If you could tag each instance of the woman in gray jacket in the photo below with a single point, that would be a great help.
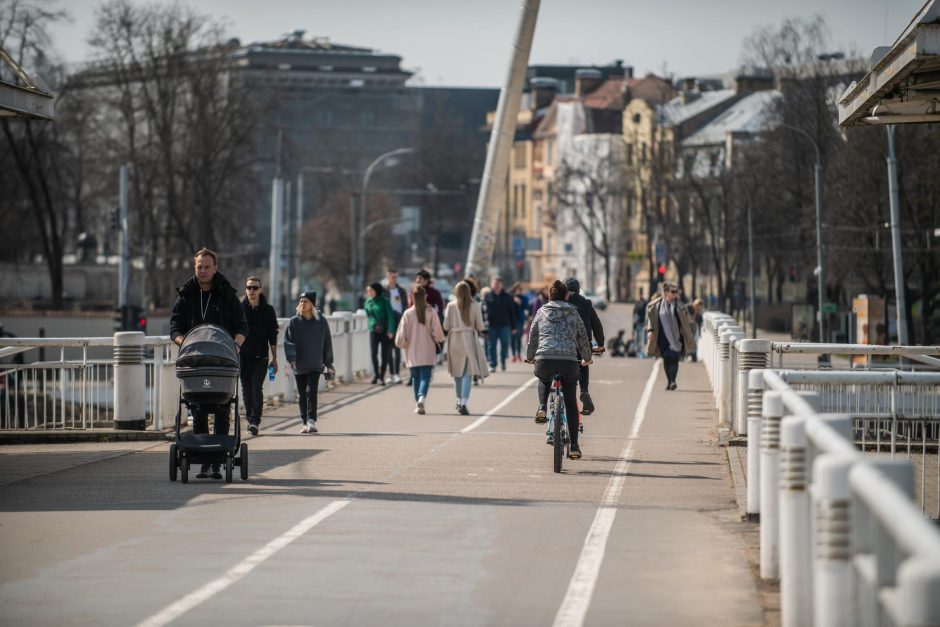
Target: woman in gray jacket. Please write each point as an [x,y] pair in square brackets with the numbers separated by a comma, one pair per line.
[556,338]
[309,349]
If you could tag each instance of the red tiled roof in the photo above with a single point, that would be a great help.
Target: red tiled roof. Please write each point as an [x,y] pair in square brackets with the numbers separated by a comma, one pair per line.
[609,94]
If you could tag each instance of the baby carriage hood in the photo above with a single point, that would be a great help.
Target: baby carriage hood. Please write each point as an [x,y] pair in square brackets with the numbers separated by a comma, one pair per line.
[207,345]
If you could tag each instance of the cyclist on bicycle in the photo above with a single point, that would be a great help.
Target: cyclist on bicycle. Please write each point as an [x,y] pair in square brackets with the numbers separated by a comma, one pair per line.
[556,338]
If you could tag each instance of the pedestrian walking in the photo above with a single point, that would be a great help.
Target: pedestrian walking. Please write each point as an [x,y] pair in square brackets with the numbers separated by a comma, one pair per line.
[434,298]
[521,303]
[595,333]
[381,329]
[481,336]
[501,315]
[463,321]
[259,345]
[418,335]
[208,298]
[308,345]
[398,299]
[639,326]
[669,331]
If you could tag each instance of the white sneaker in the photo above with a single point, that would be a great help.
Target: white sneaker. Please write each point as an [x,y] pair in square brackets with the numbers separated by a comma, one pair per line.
[396,379]
[312,427]
[305,428]
[420,408]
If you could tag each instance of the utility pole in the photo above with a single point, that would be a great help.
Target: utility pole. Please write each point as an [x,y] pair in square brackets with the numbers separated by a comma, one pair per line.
[896,239]
[491,200]
[124,267]
[277,215]
[298,227]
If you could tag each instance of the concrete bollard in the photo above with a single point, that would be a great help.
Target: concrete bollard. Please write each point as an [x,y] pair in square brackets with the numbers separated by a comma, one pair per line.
[796,568]
[726,374]
[716,357]
[769,483]
[130,381]
[832,568]
[347,325]
[869,541]
[755,398]
[751,354]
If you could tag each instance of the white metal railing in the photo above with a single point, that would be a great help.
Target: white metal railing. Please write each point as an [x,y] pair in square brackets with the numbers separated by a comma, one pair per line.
[76,389]
[839,527]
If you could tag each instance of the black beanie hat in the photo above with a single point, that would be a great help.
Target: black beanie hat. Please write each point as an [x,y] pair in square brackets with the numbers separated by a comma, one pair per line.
[573,285]
[309,295]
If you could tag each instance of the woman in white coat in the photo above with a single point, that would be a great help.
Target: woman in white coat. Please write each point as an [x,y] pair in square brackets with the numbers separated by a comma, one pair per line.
[463,321]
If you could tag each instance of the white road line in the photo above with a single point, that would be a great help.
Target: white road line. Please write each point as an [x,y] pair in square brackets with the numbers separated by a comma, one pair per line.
[232,575]
[479,421]
[575,605]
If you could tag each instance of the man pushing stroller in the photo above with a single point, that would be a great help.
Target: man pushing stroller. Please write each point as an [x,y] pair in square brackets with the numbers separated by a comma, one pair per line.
[208,297]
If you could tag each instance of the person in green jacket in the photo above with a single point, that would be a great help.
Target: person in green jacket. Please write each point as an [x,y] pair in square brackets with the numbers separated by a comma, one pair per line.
[381,328]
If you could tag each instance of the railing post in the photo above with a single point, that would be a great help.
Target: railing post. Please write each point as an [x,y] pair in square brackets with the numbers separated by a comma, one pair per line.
[755,399]
[347,322]
[918,583]
[796,568]
[833,598]
[130,381]
[752,354]
[726,374]
[769,482]
[157,390]
[720,325]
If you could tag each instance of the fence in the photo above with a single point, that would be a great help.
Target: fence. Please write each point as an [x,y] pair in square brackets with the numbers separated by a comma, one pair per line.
[840,528]
[77,390]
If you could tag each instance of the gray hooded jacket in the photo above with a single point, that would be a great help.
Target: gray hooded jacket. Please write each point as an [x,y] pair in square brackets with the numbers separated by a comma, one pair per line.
[557,332]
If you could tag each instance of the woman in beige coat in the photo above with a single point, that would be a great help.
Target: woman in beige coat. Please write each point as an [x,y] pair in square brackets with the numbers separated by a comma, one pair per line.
[419,332]
[463,321]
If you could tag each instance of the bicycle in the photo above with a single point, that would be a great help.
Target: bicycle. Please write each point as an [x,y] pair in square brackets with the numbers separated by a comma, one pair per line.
[558,423]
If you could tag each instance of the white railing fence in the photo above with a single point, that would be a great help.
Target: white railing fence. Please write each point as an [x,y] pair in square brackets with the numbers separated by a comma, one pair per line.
[839,527]
[82,387]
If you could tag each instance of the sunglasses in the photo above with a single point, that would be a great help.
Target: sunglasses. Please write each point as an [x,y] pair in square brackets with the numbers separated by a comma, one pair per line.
[673,291]
[252,287]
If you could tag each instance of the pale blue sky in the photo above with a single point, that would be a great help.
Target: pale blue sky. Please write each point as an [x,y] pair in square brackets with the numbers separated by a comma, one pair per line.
[466,42]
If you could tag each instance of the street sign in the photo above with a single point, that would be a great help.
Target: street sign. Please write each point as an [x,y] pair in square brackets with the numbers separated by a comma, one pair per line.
[661,253]
[830,308]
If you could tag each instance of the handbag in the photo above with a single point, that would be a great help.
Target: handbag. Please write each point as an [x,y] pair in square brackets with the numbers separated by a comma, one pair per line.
[378,327]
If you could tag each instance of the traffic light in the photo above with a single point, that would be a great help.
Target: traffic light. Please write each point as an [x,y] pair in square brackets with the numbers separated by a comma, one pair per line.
[792,276]
[116,219]
[661,271]
[130,318]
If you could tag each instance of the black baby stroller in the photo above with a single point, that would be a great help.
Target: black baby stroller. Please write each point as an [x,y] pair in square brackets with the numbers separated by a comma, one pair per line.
[207,368]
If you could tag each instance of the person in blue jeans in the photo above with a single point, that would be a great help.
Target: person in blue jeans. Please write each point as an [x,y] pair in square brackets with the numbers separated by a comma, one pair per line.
[419,333]
[501,315]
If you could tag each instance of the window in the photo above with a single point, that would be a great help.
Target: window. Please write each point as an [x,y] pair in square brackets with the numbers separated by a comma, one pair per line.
[629,154]
[367,118]
[631,205]
[522,189]
[643,152]
[549,150]
[515,202]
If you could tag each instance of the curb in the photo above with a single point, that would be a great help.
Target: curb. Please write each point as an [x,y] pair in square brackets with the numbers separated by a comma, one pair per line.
[99,435]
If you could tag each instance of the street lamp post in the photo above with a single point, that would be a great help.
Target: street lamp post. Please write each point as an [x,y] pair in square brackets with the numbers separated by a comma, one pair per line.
[750,264]
[363,208]
[820,275]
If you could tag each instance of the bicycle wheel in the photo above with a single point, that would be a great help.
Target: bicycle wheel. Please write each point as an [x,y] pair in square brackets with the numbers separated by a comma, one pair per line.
[558,415]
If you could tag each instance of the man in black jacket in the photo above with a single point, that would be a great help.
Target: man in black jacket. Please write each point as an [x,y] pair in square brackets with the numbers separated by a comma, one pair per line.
[261,341]
[208,297]
[595,332]
[501,316]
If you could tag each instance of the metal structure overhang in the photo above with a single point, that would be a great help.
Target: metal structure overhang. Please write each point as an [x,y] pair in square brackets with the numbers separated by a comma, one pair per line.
[903,85]
[27,100]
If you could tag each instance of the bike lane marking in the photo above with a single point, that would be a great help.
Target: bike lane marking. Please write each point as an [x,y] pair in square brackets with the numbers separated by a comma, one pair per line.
[577,599]
[479,421]
[243,568]
[201,595]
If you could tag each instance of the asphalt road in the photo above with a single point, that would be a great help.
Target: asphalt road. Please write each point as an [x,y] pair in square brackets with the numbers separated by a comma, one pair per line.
[386,517]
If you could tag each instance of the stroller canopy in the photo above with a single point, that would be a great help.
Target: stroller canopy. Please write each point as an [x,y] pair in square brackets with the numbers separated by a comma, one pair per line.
[207,345]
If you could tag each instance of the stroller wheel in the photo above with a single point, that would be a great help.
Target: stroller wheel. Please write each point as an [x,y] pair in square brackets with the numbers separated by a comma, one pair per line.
[174,462]
[243,461]
[184,469]
[229,467]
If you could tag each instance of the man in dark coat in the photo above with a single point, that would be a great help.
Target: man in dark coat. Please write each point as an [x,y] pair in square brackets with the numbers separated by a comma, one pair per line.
[595,333]
[501,316]
[208,297]
[260,343]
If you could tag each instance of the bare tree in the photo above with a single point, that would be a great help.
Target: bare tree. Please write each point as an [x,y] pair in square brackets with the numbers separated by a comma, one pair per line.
[589,190]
